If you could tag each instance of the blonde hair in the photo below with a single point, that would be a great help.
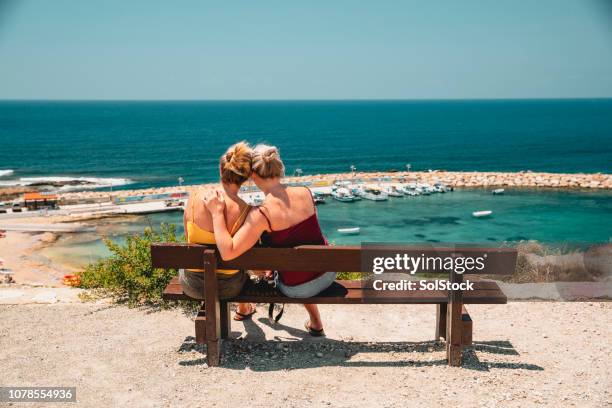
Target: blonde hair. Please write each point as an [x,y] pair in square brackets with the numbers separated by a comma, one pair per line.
[235,164]
[267,162]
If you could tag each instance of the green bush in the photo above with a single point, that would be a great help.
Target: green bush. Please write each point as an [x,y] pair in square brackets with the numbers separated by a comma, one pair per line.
[127,275]
[352,276]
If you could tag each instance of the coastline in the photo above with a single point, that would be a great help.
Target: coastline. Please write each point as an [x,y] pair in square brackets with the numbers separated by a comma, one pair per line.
[525,179]
[25,253]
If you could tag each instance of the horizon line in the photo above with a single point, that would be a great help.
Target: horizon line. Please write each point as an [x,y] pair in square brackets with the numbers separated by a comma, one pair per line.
[308,99]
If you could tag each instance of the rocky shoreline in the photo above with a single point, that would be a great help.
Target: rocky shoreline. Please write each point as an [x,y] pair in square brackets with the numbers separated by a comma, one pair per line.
[456,179]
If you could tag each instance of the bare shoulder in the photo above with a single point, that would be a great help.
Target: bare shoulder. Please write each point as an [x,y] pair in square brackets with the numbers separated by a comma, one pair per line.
[256,217]
[195,209]
[189,204]
[299,192]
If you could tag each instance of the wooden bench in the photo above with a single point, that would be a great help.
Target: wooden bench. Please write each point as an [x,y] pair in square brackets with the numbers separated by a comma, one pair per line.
[212,324]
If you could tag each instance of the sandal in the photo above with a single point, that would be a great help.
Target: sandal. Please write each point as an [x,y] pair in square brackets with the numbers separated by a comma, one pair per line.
[313,332]
[239,317]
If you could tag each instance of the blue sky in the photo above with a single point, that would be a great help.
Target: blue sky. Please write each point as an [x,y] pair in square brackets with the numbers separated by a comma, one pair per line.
[304,50]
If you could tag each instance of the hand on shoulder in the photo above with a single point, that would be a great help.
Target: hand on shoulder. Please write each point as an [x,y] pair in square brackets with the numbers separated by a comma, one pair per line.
[214,201]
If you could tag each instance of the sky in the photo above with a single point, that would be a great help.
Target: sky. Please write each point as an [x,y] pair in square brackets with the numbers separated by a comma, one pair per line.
[314,49]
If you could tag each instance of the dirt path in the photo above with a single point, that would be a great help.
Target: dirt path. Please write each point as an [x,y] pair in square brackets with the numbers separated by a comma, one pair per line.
[525,354]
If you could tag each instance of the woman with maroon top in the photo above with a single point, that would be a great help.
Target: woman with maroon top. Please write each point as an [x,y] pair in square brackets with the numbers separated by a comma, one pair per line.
[287,218]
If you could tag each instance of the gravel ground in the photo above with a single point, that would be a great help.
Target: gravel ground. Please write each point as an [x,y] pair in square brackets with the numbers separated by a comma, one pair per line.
[524,354]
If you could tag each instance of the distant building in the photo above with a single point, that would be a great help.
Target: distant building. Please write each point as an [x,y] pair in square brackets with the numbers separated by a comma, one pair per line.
[37,201]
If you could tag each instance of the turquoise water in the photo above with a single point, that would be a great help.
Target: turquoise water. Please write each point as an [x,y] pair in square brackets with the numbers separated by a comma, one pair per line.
[153,143]
[557,218]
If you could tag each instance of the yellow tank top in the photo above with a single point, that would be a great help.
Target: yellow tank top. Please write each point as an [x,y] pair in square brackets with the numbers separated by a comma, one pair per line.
[197,235]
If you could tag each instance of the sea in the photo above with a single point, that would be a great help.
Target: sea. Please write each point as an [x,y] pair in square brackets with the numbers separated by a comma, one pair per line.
[107,145]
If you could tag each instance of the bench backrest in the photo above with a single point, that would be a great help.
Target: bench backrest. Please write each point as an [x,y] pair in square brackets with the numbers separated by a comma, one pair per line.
[315,258]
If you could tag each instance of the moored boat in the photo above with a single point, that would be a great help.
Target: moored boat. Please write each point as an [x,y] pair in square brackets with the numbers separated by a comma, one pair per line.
[393,191]
[372,193]
[349,231]
[343,194]
[318,198]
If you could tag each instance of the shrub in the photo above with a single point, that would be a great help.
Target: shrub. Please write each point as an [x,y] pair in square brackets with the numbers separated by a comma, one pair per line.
[537,262]
[352,276]
[127,274]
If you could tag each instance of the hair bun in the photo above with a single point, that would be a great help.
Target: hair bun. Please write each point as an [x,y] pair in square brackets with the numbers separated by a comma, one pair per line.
[270,154]
[267,162]
[229,156]
[236,160]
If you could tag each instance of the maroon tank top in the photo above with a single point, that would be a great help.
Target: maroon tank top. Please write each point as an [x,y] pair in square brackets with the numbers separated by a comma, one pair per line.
[307,232]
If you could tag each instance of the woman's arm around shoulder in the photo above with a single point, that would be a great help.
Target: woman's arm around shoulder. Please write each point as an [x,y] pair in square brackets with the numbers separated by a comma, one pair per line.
[247,236]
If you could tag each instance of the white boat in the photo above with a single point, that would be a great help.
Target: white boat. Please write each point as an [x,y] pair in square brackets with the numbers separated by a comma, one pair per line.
[254,199]
[343,194]
[498,191]
[393,191]
[409,189]
[439,188]
[424,188]
[318,198]
[480,214]
[373,194]
[349,231]
[354,190]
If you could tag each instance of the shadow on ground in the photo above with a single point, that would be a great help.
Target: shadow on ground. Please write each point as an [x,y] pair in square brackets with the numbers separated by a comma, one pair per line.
[299,350]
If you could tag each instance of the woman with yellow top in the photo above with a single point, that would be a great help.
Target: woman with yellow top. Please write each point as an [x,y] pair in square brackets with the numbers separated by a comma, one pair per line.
[234,169]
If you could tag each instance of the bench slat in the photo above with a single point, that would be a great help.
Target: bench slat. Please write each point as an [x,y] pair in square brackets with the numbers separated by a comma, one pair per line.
[351,292]
[315,258]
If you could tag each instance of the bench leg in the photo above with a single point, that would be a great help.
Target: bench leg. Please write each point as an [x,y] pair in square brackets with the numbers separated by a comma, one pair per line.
[440,321]
[200,325]
[454,324]
[213,352]
[466,338]
[213,309]
[226,321]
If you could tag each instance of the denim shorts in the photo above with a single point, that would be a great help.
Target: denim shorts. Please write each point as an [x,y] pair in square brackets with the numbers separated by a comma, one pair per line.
[228,286]
[306,289]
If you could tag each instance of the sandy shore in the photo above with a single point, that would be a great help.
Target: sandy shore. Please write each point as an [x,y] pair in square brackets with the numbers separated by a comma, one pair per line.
[525,354]
[20,253]
[25,252]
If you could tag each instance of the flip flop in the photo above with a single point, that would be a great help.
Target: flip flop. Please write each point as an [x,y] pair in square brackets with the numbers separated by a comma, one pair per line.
[239,317]
[313,332]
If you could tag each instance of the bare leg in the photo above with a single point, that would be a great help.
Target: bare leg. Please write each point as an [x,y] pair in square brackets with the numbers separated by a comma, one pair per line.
[315,317]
